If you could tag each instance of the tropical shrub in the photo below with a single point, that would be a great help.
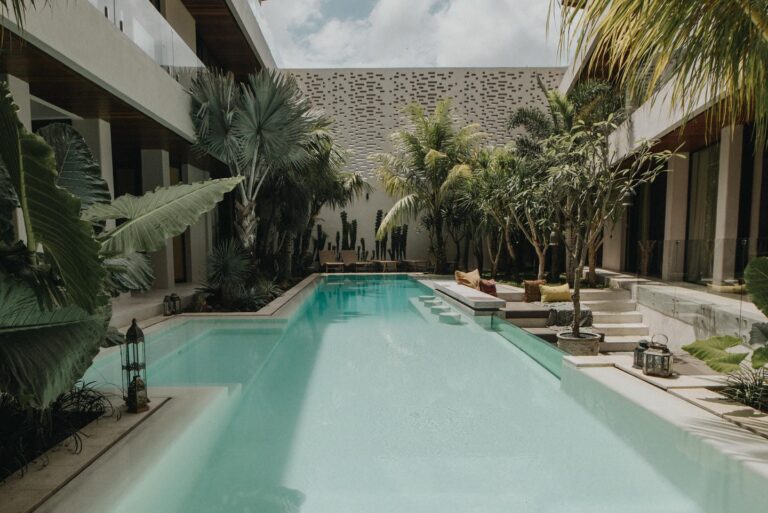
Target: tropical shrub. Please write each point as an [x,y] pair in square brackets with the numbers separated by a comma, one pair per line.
[749,386]
[56,282]
[421,169]
[713,352]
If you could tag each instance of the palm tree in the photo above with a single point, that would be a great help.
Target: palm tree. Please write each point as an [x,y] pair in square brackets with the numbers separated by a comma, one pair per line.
[421,169]
[714,50]
[255,128]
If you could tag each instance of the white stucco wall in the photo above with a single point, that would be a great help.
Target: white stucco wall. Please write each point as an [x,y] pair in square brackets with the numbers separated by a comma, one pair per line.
[367,106]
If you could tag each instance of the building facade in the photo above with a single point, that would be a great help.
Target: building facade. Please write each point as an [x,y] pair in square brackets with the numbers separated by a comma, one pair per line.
[705,218]
[116,71]
[367,107]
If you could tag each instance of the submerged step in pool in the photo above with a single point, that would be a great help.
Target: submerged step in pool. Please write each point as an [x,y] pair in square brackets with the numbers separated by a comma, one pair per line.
[366,402]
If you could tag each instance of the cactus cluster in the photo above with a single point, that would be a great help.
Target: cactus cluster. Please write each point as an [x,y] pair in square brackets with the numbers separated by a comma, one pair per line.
[318,242]
[399,241]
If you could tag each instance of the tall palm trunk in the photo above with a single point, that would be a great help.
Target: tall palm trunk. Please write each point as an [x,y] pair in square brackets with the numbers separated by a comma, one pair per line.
[439,242]
[245,221]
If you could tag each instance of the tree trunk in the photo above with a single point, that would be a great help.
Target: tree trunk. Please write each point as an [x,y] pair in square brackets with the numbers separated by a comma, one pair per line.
[439,245]
[542,256]
[592,262]
[466,252]
[245,219]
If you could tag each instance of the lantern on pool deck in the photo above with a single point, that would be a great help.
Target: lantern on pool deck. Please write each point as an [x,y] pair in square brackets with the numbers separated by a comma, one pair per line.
[176,300]
[167,306]
[134,364]
[657,359]
[638,358]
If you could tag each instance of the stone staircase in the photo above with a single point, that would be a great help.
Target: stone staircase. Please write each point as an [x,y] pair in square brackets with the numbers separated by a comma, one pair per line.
[613,311]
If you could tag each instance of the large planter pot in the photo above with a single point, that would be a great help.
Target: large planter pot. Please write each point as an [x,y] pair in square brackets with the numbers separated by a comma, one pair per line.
[586,344]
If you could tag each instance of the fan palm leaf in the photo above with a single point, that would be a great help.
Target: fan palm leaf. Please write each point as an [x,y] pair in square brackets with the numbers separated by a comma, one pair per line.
[713,51]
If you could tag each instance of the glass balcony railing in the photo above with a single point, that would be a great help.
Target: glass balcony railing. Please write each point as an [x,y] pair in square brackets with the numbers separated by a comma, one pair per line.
[150,31]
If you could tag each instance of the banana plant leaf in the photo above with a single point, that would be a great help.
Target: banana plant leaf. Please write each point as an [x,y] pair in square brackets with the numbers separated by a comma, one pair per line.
[44,352]
[156,216]
[78,172]
[712,351]
[51,214]
[130,273]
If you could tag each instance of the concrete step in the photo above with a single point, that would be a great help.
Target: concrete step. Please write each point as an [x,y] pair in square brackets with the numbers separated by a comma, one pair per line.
[529,322]
[426,298]
[440,309]
[544,333]
[620,343]
[616,329]
[616,317]
[604,294]
[450,318]
[627,305]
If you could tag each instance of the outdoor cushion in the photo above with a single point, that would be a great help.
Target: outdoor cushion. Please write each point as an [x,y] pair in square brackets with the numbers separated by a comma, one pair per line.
[470,279]
[488,286]
[554,293]
[532,292]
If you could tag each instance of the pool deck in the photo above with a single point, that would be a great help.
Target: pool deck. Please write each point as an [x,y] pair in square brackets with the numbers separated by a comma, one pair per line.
[111,454]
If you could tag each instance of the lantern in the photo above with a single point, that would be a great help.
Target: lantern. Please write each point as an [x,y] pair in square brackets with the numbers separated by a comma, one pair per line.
[176,300]
[657,359]
[628,199]
[134,370]
[638,359]
[167,306]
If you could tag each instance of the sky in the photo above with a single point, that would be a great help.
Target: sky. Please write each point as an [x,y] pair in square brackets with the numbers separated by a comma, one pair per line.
[411,33]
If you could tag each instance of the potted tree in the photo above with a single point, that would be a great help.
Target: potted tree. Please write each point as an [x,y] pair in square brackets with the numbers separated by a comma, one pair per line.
[587,185]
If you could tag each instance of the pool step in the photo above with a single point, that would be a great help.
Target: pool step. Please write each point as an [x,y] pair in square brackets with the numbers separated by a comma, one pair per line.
[529,322]
[620,329]
[616,317]
[427,298]
[450,317]
[440,309]
[605,294]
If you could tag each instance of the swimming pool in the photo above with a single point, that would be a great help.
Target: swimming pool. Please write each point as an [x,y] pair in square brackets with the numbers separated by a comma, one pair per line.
[365,402]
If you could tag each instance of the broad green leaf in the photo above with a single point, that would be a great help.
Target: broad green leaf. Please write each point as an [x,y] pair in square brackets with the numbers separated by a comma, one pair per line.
[712,351]
[51,214]
[760,357]
[756,277]
[130,273]
[8,205]
[44,352]
[78,172]
[158,215]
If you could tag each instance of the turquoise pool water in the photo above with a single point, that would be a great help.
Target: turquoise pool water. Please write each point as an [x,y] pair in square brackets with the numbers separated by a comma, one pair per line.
[366,403]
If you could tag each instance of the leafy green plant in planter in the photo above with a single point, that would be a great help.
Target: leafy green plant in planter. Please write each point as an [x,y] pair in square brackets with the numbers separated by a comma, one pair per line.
[54,286]
[756,278]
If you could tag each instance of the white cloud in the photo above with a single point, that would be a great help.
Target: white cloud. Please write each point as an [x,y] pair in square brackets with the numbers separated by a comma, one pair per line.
[414,33]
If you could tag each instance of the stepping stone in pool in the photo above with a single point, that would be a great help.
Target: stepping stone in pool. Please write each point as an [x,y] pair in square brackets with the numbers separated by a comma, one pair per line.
[433,302]
[440,308]
[450,318]
[427,298]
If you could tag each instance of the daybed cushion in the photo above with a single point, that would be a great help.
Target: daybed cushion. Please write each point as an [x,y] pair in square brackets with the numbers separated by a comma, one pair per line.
[489,287]
[532,292]
[470,279]
[468,296]
[555,293]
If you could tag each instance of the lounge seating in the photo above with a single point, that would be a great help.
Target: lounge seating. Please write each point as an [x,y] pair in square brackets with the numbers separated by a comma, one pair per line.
[469,297]
[349,258]
[329,261]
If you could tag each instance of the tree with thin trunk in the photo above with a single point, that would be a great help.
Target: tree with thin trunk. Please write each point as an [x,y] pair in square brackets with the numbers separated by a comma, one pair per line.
[422,169]
[587,185]
[256,128]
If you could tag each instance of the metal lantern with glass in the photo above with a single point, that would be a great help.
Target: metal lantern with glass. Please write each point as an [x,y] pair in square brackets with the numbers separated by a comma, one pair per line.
[176,301]
[639,354]
[134,363]
[167,306]
[657,359]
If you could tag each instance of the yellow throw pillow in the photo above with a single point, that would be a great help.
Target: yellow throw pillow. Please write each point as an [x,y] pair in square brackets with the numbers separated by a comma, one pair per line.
[470,279]
[554,293]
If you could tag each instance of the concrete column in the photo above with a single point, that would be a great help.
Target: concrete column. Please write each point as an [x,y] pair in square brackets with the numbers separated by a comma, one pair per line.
[675,218]
[156,172]
[727,216]
[197,234]
[98,135]
[20,92]
[757,193]
[615,244]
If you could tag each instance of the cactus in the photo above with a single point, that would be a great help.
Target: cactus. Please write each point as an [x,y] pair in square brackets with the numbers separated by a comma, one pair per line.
[362,246]
[352,234]
[358,253]
[338,242]
[404,241]
[376,226]
[344,230]
[318,242]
